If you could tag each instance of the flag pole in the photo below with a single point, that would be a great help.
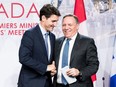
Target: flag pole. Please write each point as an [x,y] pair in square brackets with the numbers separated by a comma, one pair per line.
[103,81]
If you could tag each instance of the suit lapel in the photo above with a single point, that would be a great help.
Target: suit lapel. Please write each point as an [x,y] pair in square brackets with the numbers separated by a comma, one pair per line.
[41,39]
[75,47]
[58,47]
[52,41]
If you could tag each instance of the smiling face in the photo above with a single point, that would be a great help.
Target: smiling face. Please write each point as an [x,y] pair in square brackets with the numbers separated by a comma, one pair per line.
[69,26]
[49,23]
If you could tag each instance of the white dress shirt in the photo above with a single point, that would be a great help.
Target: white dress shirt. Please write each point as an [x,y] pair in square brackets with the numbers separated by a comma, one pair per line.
[49,45]
[71,43]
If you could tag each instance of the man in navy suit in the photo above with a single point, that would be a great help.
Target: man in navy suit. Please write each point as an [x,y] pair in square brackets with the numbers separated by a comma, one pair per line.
[82,60]
[37,59]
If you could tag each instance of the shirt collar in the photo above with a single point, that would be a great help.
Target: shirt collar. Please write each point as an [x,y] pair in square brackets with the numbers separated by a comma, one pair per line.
[42,29]
[73,38]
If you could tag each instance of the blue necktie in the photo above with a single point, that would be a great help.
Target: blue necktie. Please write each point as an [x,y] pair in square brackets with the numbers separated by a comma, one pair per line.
[46,43]
[65,58]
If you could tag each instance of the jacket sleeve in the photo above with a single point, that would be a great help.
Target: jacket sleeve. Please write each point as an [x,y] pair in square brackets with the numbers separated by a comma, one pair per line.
[92,62]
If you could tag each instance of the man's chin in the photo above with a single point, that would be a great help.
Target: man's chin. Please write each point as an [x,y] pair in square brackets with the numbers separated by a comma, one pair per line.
[50,29]
[67,36]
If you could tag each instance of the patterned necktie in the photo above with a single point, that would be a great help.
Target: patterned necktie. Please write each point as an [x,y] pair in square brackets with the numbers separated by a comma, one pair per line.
[46,42]
[65,58]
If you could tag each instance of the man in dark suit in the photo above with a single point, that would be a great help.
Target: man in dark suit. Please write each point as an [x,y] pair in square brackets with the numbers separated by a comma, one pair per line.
[36,51]
[82,58]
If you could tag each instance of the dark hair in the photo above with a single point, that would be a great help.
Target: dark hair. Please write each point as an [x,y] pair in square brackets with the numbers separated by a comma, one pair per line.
[75,17]
[48,10]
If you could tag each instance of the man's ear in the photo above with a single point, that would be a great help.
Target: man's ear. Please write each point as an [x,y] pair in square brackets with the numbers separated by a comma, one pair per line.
[43,18]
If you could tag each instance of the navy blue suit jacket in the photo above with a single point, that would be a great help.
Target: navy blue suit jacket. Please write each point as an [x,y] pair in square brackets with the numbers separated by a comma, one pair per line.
[34,60]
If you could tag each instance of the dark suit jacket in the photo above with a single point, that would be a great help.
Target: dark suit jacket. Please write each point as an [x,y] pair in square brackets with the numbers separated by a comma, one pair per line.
[83,57]
[33,57]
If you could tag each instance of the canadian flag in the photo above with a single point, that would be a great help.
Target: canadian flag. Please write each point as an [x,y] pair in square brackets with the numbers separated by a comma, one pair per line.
[79,11]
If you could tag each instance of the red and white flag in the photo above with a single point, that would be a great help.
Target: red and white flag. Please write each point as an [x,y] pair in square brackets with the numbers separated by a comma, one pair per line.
[93,77]
[79,11]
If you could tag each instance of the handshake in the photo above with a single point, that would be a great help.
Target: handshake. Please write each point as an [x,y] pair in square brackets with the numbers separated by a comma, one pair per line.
[52,68]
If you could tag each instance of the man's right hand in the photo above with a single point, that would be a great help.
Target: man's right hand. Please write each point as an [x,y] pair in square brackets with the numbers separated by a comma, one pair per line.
[51,67]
